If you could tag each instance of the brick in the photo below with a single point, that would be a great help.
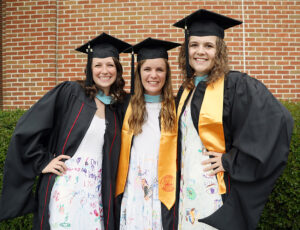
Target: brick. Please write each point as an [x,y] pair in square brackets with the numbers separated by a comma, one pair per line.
[271,36]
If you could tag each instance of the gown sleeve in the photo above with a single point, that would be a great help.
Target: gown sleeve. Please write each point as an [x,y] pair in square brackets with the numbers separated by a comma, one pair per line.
[260,132]
[28,152]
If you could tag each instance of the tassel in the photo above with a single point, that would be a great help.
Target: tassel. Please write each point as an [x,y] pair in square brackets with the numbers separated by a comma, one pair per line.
[132,73]
[188,69]
[89,75]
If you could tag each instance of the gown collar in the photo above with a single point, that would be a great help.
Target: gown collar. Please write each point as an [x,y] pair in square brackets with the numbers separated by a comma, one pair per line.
[105,99]
[152,99]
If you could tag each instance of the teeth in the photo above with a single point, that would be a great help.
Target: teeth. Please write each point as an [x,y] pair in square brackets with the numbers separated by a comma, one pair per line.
[152,82]
[105,78]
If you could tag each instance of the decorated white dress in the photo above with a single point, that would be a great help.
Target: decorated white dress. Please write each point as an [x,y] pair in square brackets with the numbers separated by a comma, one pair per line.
[141,208]
[76,201]
[199,195]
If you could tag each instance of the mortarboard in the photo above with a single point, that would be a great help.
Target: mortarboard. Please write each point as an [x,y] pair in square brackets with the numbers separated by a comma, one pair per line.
[149,48]
[102,46]
[204,23]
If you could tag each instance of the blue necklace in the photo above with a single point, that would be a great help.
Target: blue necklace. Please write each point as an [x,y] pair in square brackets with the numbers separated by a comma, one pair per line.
[152,99]
[105,99]
[197,79]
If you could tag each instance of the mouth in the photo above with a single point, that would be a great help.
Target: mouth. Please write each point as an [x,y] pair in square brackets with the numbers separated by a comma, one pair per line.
[152,82]
[105,78]
[200,60]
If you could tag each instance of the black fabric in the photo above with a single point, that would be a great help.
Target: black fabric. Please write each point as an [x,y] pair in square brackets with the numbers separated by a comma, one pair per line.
[206,23]
[56,124]
[169,221]
[104,46]
[257,130]
[151,48]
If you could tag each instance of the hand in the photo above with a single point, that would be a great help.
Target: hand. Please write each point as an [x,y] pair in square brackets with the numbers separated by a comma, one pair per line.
[215,163]
[57,166]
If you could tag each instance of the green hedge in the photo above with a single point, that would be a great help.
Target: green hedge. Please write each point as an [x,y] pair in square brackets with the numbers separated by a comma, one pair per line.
[281,211]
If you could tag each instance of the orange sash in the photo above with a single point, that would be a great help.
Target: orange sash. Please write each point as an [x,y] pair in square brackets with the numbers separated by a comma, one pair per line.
[210,125]
[166,161]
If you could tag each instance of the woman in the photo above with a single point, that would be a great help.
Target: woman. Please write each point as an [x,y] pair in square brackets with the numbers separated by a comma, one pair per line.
[233,138]
[71,139]
[145,187]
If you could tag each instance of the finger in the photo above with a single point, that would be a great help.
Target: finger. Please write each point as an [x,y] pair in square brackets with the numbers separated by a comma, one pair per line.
[54,171]
[214,172]
[212,167]
[62,164]
[59,168]
[61,157]
[205,162]
[210,160]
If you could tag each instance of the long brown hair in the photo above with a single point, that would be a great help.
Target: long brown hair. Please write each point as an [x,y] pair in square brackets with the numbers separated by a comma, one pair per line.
[117,88]
[139,114]
[219,69]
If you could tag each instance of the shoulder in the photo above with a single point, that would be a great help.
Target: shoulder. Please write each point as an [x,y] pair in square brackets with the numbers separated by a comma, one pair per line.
[241,81]
[68,87]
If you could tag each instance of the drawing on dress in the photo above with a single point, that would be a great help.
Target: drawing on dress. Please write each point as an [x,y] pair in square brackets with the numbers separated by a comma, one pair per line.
[191,194]
[211,189]
[218,203]
[65,224]
[147,189]
[191,215]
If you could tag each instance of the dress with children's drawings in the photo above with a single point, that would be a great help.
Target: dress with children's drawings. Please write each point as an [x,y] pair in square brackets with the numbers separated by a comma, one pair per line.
[199,195]
[76,200]
[141,208]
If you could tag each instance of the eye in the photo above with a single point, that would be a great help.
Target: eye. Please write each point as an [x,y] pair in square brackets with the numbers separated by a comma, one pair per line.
[193,45]
[110,65]
[146,69]
[209,45]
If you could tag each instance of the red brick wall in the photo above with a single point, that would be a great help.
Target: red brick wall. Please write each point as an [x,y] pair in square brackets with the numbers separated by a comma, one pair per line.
[39,39]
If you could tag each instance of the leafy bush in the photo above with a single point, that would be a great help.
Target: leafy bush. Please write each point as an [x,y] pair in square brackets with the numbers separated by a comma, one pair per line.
[8,121]
[281,211]
[283,208]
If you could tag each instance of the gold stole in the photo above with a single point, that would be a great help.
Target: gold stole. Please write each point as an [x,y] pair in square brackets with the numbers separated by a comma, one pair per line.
[166,161]
[210,125]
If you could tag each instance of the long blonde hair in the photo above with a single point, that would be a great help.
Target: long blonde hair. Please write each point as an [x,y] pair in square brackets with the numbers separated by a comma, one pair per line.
[219,69]
[139,115]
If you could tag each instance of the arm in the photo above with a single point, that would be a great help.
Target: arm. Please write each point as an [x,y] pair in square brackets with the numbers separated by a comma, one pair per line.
[28,152]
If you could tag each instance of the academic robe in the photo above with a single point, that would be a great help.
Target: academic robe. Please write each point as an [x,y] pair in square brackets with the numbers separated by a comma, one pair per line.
[168,216]
[55,125]
[257,130]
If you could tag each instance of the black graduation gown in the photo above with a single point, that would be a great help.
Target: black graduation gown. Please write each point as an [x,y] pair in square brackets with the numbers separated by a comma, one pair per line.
[168,216]
[257,130]
[56,124]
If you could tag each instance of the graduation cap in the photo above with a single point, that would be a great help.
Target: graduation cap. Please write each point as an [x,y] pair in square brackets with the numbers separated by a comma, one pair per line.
[150,48]
[102,46]
[204,23]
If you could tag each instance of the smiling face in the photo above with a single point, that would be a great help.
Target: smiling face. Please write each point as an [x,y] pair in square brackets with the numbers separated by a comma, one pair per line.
[153,75]
[104,73]
[202,51]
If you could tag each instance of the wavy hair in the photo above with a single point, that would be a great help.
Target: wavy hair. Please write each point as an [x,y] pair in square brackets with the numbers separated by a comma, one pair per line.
[219,69]
[139,115]
[117,88]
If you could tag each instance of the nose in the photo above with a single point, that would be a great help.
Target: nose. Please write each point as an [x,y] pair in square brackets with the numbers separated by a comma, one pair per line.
[153,74]
[200,50]
[104,69]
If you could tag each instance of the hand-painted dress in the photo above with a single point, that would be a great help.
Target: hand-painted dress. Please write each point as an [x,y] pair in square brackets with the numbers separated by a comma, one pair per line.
[76,201]
[199,196]
[141,208]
